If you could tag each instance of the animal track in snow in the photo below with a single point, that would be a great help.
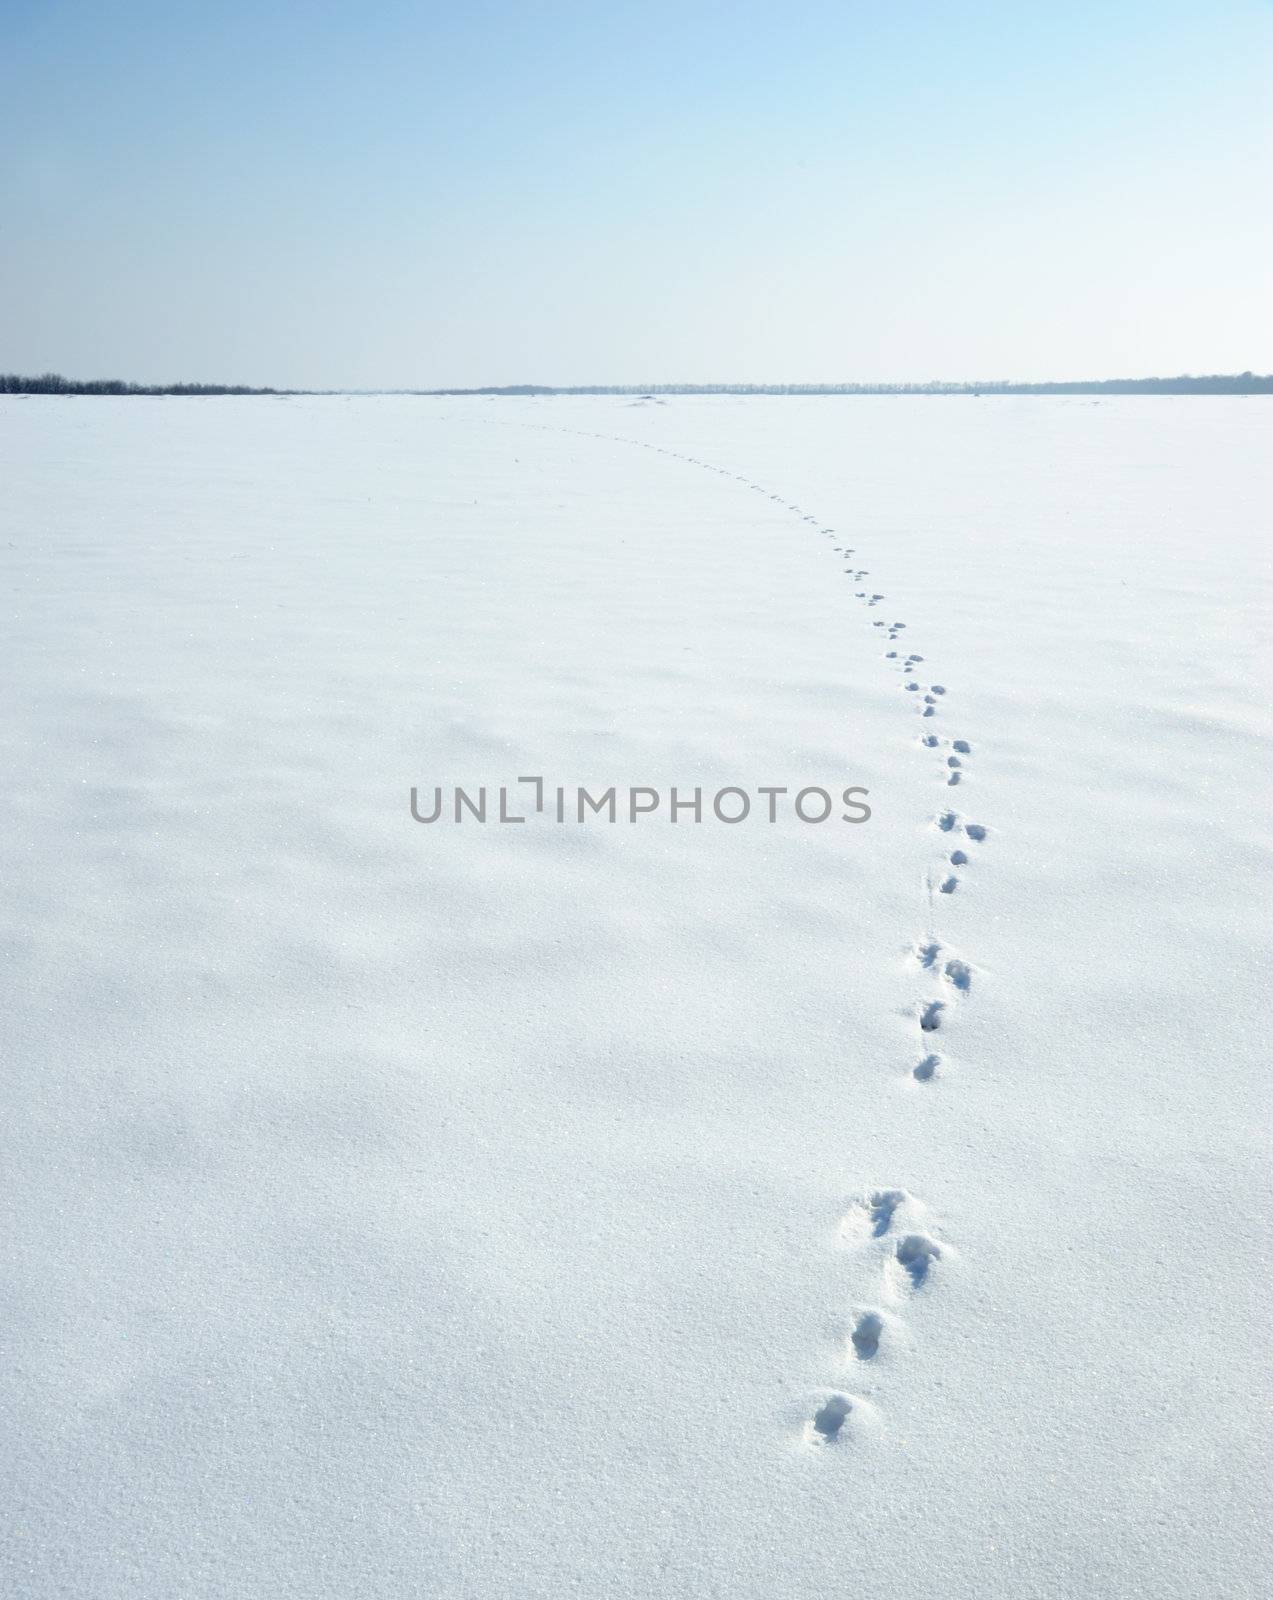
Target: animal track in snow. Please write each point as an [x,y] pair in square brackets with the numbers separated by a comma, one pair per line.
[882,1207]
[830,1418]
[949,821]
[915,1254]
[932,957]
[928,954]
[908,1257]
[866,1335]
[874,1213]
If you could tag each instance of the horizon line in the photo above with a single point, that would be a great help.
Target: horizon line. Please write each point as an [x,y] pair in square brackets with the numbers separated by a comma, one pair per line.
[1243,383]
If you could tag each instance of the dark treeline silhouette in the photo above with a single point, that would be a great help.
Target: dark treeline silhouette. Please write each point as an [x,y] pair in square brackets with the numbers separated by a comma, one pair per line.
[54,383]
[1232,383]
[1240,383]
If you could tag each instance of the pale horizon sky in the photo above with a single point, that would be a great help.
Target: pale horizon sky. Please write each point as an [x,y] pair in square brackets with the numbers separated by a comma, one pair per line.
[318,195]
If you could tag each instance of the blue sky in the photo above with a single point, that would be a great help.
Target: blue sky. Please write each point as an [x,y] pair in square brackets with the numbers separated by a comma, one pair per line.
[410,195]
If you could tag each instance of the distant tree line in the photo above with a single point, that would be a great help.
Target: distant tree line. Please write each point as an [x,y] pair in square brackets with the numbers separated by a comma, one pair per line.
[1239,383]
[1235,383]
[54,383]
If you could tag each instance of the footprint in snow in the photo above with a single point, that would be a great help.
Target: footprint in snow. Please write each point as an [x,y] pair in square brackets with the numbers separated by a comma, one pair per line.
[927,1068]
[875,1212]
[866,1335]
[915,1254]
[829,1419]
[933,958]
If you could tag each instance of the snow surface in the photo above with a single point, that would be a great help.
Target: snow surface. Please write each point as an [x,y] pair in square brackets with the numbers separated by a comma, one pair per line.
[483,1211]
